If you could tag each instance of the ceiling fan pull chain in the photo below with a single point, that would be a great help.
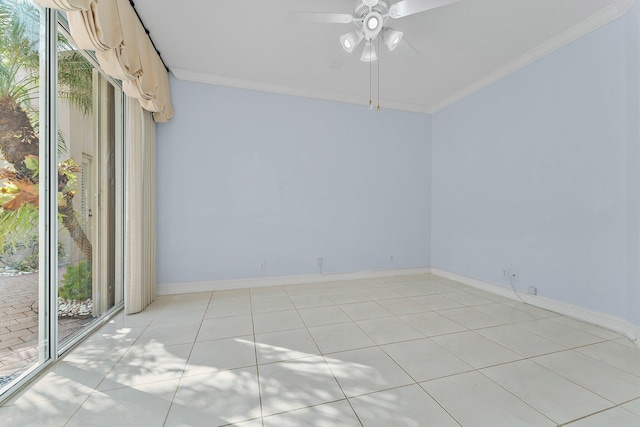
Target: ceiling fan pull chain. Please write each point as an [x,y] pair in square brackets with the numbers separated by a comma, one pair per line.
[379,59]
[370,79]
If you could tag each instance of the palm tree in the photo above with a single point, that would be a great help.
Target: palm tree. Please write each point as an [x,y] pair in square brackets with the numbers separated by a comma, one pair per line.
[19,136]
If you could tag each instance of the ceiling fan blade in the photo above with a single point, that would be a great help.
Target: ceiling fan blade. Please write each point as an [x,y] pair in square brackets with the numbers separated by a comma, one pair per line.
[410,7]
[339,59]
[319,18]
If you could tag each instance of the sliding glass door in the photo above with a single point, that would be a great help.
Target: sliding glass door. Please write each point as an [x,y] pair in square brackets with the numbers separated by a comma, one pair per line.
[89,177]
[61,192]
[23,294]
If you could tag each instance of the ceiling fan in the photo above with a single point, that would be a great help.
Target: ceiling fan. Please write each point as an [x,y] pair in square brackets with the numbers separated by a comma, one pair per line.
[370,17]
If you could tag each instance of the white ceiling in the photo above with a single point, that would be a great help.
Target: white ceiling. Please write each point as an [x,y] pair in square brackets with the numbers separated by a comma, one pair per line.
[463,47]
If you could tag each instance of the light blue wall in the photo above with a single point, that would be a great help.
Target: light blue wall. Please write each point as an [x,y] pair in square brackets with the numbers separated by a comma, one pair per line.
[247,176]
[540,172]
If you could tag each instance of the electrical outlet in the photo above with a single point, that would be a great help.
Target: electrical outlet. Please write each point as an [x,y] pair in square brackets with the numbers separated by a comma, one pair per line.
[533,290]
[320,262]
[505,273]
[390,258]
[514,275]
[262,265]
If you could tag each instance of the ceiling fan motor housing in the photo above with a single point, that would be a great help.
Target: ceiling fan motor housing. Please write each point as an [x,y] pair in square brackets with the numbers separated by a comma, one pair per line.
[371,14]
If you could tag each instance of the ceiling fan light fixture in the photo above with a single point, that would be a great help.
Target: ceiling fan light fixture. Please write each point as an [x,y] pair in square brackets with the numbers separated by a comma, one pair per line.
[369,53]
[350,40]
[372,24]
[391,38]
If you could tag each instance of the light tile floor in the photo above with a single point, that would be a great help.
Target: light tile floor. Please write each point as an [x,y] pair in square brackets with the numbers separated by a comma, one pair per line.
[402,351]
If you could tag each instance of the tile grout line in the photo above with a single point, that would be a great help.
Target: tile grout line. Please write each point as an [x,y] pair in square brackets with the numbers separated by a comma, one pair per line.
[573,382]
[513,394]
[440,405]
[478,370]
[186,362]
[327,363]
[95,389]
[255,355]
[543,367]
[329,366]
[575,349]
[380,346]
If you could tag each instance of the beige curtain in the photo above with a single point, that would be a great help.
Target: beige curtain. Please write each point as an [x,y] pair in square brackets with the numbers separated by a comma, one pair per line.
[152,87]
[145,85]
[98,27]
[140,241]
[123,48]
[123,61]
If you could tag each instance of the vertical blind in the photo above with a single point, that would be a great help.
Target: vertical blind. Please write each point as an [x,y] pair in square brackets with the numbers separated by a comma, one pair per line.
[112,29]
[140,241]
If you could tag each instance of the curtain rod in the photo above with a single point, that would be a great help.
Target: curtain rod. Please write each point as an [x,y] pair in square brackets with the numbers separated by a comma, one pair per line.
[149,34]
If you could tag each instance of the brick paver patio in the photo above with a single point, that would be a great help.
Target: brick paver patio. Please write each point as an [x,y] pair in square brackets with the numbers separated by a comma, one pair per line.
[19,325]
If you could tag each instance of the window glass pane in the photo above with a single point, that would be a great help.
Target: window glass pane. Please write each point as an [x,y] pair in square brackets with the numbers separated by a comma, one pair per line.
[87,112]
[22,293]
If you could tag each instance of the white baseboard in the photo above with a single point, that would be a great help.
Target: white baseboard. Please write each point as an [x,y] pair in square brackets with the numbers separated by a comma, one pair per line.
[258,282]
[603,320]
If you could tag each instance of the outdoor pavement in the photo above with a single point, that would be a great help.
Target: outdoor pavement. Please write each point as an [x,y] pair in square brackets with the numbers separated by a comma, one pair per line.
[19,325]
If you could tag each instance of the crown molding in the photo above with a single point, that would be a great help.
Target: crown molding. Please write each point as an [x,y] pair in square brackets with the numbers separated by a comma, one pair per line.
[213,79]
[624,5]
[605,16]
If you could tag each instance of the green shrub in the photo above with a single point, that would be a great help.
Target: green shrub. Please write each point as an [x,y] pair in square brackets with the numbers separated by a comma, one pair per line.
[76,283]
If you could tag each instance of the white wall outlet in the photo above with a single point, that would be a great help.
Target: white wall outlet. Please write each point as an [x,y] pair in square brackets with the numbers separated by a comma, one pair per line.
[533,290]
[514,275]
[390,258]
[320,262]
[505,273]
[262,265]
